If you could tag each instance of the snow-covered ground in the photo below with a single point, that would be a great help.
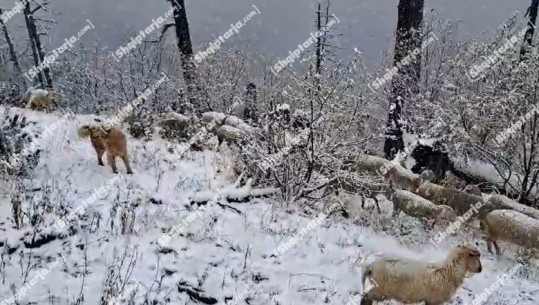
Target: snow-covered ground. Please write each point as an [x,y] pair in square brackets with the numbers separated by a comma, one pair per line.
[221,252]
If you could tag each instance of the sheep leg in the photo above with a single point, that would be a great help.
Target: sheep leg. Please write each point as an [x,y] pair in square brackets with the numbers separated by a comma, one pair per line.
[377,204]
[366,301]
[489,246]
[432,223]
[396,211]
[362,201]
[498,252]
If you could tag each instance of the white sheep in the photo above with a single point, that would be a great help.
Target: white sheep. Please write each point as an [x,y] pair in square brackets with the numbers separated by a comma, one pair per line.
[410,281]
[367,163]
[39,99]
[459,201]
[416,206]
[513,227]
[403,178]
[503,202]
[473,189]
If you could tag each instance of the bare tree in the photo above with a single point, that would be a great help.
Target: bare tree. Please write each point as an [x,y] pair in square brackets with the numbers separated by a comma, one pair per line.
[405,83]
[185,47]
[12,54]
[532,17]
[35,42]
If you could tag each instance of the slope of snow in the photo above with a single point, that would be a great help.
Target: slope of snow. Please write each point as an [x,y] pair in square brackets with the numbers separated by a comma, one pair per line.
[225,254]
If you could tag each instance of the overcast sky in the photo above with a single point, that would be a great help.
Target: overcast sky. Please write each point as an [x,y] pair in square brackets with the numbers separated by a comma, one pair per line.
[367,25]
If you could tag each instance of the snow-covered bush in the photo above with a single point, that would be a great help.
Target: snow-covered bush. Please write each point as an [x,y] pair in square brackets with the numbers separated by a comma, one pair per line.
[15,139]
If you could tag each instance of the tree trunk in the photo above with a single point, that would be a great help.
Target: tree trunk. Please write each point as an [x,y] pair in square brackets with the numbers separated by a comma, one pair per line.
[32,43]
[35,43]
[185,47]
[405,83]
[318,41]
[532,17]
[12,53]
[250,114]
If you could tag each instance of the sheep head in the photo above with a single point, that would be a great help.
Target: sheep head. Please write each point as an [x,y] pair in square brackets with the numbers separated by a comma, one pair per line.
[447,213]
[52,95]
[470,256]
[416,183]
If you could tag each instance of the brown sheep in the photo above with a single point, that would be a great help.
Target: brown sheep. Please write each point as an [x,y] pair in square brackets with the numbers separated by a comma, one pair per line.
[410,281]
[403,178]
[513,227]
[107,139]
[473,189]
[461,202]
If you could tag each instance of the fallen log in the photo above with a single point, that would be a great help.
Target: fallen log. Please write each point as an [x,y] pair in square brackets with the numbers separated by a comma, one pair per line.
[233,194]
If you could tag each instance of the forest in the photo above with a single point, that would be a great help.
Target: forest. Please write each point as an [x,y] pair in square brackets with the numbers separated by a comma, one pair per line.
[164,171]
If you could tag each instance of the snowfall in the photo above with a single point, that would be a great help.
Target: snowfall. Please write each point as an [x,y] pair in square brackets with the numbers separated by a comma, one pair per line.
[220,253]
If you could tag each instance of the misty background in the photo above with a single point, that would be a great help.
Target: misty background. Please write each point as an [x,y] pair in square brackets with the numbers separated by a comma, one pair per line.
[367,25]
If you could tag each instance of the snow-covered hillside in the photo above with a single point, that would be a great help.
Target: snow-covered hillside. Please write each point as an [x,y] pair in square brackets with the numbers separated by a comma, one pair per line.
[244,253]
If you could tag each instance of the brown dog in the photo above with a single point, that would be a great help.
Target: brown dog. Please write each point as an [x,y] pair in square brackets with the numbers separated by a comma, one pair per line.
[107,139]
